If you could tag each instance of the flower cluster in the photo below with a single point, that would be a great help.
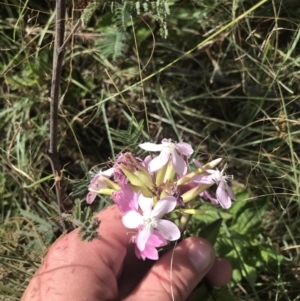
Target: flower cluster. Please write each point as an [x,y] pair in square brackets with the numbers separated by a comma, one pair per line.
[145,191]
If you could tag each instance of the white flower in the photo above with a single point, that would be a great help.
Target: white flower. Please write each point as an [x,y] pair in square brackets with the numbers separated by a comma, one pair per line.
[224,192]
[151,219]
[96,184]
[169,149]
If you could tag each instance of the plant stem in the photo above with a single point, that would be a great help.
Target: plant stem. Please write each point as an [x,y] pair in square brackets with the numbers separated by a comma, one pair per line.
[58,56]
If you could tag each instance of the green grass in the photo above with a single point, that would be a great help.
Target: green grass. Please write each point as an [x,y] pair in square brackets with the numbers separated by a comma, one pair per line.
[225,83]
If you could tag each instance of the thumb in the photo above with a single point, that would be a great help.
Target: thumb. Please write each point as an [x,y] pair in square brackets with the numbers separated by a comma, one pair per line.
[175,275]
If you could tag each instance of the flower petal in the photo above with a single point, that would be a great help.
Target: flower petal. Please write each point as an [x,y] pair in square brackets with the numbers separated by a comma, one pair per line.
[179,164]
[168,229]
[206,195]
[108,172]
[203,179]
[126,199]
[146,162]
[158,162]
[165,141]
[91,197]
[143,237]
[212,171]
[197,163]
[145,204]
[184,148]
[230,192]
[156,239]
[163,206]
[151,147]
[94,180]
[222,196]
[132,220]
[97,183]
[149,252]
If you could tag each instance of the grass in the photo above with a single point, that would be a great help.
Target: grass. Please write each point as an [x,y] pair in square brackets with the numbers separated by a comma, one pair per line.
[228,84]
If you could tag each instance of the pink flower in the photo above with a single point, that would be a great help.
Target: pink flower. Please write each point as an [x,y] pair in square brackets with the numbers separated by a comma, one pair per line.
[97,183]
[126,199]
[177,151]
[151,219]
[206,195]
[224,193]
[156,240]
[197,163]
[131,164]
[119,176]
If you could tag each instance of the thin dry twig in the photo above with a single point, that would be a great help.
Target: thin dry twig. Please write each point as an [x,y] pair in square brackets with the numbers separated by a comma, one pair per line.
[54,104]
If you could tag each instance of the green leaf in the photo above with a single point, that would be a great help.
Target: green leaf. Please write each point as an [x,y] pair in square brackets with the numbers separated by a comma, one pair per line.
[105,22]
[212,213]
[248,216]
[89,230]
[250,273]
[35,218]
[76,212]
[211,231]
[89,11]
[252,256]
[269,253]
[236,275]
[201,293]
[223,295]
[112,43]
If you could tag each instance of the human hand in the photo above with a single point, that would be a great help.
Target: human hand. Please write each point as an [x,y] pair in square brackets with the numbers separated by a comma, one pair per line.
[107,269]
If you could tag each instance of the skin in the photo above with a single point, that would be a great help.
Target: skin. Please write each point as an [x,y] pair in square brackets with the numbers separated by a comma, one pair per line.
[107,269]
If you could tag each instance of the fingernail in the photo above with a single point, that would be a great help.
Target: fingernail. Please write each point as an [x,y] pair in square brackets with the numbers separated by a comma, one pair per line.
[200,255]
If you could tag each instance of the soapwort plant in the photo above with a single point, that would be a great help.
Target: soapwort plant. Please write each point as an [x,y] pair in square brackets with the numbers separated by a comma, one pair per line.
[147,191]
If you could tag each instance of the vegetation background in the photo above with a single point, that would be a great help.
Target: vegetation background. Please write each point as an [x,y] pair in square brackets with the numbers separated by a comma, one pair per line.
[222,75]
